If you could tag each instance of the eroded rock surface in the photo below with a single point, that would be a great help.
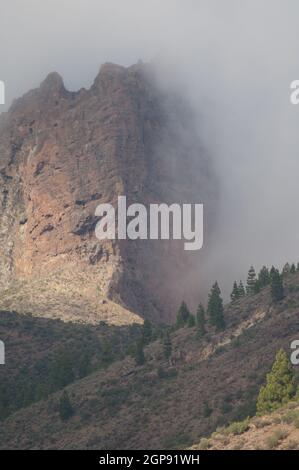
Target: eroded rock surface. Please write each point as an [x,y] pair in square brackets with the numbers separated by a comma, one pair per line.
[61,154]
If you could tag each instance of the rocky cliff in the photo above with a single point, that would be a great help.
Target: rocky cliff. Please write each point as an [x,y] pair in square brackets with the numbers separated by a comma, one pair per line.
[61,154]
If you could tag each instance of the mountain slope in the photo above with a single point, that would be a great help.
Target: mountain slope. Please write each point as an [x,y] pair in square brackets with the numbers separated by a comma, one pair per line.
[168,404]
[62,154]
[44,355]
[279,431]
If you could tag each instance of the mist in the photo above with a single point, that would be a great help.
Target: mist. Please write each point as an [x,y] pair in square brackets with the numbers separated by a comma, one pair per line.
[233,61]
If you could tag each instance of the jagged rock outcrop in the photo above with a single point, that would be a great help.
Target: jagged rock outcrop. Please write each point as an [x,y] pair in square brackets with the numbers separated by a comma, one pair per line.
[61,154]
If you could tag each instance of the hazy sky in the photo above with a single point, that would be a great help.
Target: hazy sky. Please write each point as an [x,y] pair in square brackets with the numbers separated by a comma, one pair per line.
[234,60]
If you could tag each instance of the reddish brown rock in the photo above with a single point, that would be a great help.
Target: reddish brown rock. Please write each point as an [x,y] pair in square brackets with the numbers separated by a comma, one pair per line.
[61,154]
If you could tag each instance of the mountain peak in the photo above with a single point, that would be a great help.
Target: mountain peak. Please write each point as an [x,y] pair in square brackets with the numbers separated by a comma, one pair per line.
[53,83]
[108,73]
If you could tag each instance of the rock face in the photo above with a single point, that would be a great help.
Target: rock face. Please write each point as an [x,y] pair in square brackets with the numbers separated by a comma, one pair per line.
[63,153]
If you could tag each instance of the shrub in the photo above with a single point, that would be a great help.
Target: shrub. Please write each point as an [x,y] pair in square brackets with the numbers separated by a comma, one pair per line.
[277,290]
[139,354]
[167,345]
[207,411]
[261,423]
[65,407]
[290,417]
[291,445]
[225,407]
[239,445]
[274,439]
[204,444]
[238,427]
[182,315]
[200,321]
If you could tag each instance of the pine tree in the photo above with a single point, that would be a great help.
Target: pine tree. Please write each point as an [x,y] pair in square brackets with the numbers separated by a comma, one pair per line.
[264,277]
[139,354]
[286,269]
[200,321]
[207,410]
[147,332]
[241,289]
[277,291]
[297,267]
[257,287]
[84,365]
[272,272]
[293,268]
[61,370]
[182,315]
[65,407]
[167,345]
[191,320]
[235,292]
[107,354]
[215,308]
[280,385]
[251,281]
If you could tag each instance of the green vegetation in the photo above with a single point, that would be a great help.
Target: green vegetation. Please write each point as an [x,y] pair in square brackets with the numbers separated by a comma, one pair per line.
[286,269]
[277,290]
[291,417]
[280,386]
[65,407]
[275,438]
[241,288]
[167,345]
[204,444]
[191,320]
[238,291]
[252,286]
[293,268]
[147,332]
[182,315]
[235,292]
[264,277]
[207,410]
[215,308]
[139,354]
[51,355]
[238,427]
[200,321]
[47,355]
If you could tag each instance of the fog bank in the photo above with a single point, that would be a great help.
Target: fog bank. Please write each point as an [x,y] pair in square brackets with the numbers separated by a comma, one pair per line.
[233,61]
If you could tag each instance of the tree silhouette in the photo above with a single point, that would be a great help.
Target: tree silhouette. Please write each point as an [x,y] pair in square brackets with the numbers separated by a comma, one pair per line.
[167,345]
[264,277]
[182,315]
[65,407]
[215,308]
[277,290]
[251,281]
[200,321]
[280,385]
[235,295]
